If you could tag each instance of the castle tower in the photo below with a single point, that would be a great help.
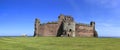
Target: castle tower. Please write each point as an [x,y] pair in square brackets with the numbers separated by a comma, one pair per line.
[36,29]
[94,31]
[68,26]
[92,23]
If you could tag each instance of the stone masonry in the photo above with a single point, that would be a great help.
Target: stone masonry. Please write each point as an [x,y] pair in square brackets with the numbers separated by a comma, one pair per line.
[65,26]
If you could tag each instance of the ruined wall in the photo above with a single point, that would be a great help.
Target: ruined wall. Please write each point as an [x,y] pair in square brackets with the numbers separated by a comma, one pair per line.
[84,31]
[65,25]
[48,30]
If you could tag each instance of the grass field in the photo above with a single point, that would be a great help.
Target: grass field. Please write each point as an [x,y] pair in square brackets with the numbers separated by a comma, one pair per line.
[58,43]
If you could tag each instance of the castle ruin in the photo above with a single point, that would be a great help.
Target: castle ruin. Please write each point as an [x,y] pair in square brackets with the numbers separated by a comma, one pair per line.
[65,26]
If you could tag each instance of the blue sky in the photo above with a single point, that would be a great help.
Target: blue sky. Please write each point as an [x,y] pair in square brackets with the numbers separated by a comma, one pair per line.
[17,16]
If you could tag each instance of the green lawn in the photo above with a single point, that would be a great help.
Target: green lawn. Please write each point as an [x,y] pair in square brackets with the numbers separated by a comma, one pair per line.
[58,43]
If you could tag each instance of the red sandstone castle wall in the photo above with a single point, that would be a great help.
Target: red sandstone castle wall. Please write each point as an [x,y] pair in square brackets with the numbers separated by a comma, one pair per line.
[52,29]
[48,29]
[84,31]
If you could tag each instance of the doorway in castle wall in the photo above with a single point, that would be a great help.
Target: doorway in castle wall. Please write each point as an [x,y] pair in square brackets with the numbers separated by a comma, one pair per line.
[70,32]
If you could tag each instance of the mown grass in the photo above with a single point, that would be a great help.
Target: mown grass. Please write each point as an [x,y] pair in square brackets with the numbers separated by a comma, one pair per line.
[58,43]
